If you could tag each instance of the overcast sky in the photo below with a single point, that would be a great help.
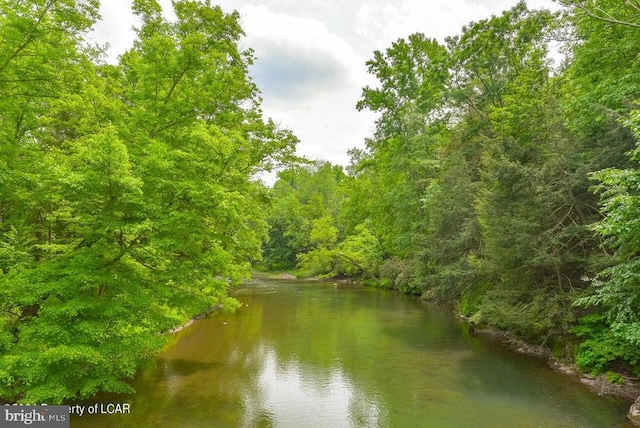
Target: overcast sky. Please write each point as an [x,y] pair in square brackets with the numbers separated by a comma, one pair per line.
[311,55]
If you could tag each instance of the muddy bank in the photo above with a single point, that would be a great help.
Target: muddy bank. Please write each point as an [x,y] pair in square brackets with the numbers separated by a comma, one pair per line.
[197,317]
[269,275]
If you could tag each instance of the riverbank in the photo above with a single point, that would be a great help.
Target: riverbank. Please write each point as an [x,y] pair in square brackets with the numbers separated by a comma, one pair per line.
[628,389]
[276,275]
[195,318]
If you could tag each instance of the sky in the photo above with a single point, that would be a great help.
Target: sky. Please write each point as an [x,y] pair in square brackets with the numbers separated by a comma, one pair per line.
[311,55]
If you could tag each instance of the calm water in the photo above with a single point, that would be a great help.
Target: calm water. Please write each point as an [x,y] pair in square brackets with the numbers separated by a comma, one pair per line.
[312,355]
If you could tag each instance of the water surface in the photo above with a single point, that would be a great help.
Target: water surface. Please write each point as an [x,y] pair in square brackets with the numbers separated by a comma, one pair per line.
[308,354]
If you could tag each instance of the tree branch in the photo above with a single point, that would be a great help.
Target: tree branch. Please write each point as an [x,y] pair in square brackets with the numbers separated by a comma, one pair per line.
[359,266]
[610,19]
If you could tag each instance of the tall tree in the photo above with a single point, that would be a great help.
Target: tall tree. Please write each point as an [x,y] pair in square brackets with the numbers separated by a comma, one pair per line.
[612,333]
[302,196]
[413,76]
[136,206]
[604,83]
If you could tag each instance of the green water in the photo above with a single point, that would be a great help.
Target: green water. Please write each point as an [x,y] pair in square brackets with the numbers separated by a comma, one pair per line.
[308,354]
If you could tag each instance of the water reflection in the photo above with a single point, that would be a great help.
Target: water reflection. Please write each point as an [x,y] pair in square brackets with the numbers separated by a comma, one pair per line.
[309,355]
[290,394]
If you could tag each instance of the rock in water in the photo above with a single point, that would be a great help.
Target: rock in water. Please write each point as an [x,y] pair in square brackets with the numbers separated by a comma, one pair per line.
[634,412]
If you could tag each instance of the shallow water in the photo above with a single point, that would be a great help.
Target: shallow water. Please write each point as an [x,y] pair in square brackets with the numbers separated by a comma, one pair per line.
[308,354]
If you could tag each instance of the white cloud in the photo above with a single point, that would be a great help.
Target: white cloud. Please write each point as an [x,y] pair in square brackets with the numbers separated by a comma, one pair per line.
[306,39]
[388,22]
[311,55]
[327,125]
[294,72]
[115,28]
[385,22]
[311,80]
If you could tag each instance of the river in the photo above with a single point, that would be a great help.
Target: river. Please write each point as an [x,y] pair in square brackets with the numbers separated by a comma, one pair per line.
[311,354]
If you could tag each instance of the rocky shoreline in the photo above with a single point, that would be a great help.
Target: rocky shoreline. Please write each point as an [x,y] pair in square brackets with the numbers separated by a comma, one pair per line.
[629,390]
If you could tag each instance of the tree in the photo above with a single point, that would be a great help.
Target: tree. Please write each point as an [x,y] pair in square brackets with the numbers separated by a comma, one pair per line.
[602,87]
[131,203]
[601,84]
[616,334]
[302,196]
[289,229]
[360,254]
[615,12]
[413,75]
[480,193]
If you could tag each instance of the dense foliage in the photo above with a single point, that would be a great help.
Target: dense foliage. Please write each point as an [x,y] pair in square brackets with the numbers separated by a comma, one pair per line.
[496,181]
[477,187]
[127,198]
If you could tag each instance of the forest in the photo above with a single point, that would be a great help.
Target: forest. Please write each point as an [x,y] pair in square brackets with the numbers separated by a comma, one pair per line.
[502,179]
